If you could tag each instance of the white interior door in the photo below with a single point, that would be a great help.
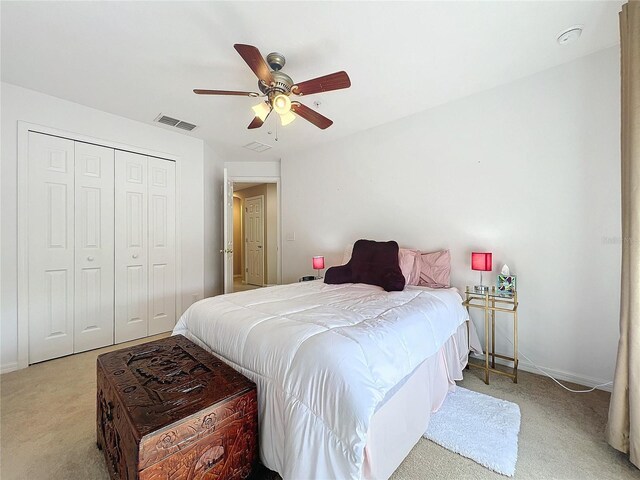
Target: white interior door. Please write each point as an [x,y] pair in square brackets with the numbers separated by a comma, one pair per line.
[227,228]
[254,239]
[51,246]
[131,262]
[94,249]
[162,245]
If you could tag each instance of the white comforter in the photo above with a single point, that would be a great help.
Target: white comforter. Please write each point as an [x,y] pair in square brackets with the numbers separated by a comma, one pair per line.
[323,357]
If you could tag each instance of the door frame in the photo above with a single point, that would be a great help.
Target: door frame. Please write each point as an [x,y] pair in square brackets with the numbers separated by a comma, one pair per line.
[23,219]
[257,179]
[244,239]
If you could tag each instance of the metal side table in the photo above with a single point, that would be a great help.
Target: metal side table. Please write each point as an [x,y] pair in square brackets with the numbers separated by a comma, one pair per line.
[492,301]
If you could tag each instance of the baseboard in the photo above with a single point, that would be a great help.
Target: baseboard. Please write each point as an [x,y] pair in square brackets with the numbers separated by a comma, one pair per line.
[558,374]
[9,367]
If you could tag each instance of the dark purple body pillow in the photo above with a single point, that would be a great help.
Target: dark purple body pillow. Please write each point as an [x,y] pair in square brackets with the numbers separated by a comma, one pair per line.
[373,263]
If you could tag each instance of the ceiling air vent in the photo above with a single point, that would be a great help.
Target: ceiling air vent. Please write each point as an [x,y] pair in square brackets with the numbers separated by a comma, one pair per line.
[257,147]
[174,122]
[185,126]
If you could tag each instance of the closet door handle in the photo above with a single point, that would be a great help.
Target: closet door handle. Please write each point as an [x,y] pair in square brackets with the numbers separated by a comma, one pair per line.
[135,255]
[90,259]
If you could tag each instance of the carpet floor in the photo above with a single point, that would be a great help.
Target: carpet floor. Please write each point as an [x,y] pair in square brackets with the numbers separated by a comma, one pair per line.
[47,429]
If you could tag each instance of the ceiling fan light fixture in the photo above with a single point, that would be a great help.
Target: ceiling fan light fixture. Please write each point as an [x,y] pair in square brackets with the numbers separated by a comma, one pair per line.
[281,104]
[262,110]
[287,118]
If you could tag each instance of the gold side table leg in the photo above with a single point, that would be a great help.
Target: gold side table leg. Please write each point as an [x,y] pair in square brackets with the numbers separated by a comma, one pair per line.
[515,346]
[486,341]
[493,333]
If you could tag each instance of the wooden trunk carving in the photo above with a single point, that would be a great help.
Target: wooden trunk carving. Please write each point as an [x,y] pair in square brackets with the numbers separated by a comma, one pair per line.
[170,410]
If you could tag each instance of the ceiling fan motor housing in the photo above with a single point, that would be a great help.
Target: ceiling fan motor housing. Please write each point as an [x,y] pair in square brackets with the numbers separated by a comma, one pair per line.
[282,83]
[276,61]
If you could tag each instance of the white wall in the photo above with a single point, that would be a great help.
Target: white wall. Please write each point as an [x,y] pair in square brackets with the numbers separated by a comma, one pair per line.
[22,104]
[265,169]
[529,171]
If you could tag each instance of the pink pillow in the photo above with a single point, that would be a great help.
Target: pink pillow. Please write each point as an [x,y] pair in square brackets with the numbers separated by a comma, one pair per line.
[435,269]
[409,261]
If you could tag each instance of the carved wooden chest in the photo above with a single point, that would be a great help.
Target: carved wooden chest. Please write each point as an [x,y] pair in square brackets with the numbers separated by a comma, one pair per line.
[170,410]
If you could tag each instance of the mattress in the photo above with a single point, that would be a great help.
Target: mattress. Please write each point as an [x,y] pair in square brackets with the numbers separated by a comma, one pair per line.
[325,358]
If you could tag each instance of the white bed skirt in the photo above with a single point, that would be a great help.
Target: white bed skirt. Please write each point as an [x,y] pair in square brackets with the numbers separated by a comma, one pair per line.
[399,423]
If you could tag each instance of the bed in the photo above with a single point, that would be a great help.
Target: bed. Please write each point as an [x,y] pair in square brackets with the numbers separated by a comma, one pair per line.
[347,374]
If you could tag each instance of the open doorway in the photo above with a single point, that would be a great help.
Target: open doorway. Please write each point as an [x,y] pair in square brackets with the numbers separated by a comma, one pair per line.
[255,235]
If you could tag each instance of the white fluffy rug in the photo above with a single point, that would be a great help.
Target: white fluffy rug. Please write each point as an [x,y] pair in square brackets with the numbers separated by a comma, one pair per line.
[479,427]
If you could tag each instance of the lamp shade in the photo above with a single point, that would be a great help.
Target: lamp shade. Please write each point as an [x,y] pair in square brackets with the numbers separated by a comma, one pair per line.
[281,104]
[262,110]
[481,261]
[318,262]
[287,118]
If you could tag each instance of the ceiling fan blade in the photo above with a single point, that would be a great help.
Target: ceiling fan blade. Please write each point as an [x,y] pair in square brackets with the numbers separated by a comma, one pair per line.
[312,116]
[225,92]
[254,59]
[257,122]
[327,83]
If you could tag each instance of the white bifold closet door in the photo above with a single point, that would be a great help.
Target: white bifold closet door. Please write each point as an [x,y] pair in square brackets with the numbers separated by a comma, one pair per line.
[131,246]
[50,246]
[145,246]
[70,247]
[162,245]
[94,247]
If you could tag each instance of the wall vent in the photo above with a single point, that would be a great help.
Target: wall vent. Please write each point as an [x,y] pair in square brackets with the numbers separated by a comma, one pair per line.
[174,122]
[257,147]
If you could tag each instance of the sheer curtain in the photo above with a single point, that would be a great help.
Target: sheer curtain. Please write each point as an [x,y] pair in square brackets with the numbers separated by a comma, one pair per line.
[623,429]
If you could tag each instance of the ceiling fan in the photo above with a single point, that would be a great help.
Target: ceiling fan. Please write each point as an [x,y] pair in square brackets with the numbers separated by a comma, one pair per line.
[276,86]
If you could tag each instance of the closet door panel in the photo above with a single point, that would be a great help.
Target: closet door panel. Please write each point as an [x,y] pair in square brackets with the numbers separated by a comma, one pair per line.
[50,246]
[162,226]
[94,242]
[131,246]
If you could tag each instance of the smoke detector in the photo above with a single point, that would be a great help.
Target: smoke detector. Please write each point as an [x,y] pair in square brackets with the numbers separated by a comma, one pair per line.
[570,35]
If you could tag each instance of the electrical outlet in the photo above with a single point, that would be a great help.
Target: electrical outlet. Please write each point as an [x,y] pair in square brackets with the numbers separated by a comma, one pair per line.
[291,236]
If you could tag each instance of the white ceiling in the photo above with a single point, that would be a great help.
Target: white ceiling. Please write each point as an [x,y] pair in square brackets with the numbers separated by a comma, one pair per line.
[137,59]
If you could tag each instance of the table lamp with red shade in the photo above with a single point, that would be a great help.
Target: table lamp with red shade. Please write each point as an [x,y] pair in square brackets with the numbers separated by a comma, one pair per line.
[318,264]
[482,262]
